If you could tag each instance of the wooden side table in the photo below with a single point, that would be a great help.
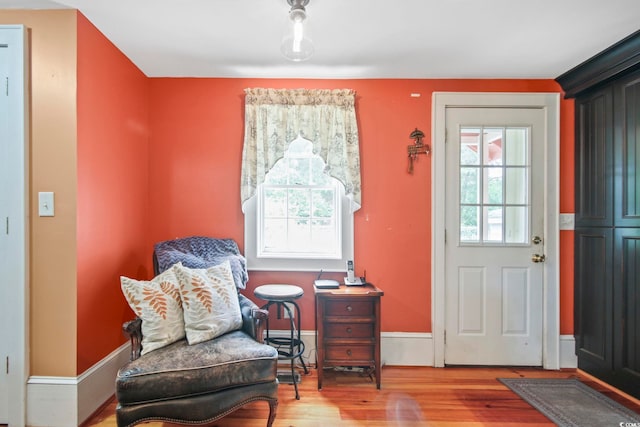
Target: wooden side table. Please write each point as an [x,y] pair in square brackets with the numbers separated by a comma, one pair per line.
[348,328]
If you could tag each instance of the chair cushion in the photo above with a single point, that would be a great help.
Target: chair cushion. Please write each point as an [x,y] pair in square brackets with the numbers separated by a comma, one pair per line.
[181,370]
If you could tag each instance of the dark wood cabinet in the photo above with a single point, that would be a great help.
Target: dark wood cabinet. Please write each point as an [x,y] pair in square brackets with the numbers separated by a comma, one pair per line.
[607,207]
[348,328]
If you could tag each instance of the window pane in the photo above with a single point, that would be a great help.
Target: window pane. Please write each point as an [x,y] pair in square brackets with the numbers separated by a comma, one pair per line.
[299,171]
[517,188]
[299,203]
[323,235]
[323,203]
[318,177]
[493,225]
[492,147]
[299,147]
[516,224]
[494,186]
[469,229]
[469,146]
[299,234]
[275,203]
[278,173]
[516,147]
[469,185]
[275,233]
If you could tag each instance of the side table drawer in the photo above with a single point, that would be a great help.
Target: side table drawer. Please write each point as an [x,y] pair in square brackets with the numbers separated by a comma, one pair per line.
[349,330]
[348,308]
[346,353]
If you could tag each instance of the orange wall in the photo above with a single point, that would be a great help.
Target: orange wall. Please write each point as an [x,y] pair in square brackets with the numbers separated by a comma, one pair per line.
[197,135]
[113,190]
[134,160]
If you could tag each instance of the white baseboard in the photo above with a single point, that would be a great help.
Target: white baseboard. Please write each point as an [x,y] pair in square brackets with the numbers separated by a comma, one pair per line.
[52,401]
[396,348]
[568,358]
[406,349]
[69,401]
[416,348]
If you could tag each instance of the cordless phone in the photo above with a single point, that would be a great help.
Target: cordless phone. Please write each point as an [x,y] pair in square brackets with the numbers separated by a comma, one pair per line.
[350,271]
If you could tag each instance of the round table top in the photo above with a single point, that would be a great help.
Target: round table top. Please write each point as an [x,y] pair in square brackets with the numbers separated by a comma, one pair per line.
[278,292]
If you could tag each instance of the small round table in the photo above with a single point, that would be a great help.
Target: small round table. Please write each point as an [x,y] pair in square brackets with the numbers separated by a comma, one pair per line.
[291,347]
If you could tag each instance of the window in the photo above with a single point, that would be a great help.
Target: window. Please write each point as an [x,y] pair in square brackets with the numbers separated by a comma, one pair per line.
[299,195]
[494,185]
[299,219]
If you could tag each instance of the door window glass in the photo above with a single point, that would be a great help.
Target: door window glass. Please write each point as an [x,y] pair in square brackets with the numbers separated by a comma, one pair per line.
[494,185]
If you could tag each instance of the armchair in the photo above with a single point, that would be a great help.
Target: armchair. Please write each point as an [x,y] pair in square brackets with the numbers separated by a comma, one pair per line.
[198,383]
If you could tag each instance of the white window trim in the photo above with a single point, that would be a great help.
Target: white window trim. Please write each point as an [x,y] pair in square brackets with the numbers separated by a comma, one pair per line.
[254,263]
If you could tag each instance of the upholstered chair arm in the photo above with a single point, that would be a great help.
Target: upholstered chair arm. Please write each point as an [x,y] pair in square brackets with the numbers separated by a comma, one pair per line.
[253,318]
[133,330]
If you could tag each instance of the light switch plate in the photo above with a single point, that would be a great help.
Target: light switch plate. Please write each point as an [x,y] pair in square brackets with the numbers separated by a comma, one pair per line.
[46,206]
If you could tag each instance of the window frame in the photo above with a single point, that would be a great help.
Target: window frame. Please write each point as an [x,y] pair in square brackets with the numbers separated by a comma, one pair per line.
[257,259]
[255,263]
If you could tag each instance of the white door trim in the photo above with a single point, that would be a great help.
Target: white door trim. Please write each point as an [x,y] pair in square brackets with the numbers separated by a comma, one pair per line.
[550,102]
[18,217]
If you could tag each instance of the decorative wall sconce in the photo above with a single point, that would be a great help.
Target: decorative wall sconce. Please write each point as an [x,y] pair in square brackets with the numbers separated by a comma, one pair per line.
[418,147]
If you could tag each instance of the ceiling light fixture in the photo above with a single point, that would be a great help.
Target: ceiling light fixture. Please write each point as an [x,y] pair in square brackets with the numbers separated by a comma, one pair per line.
[296,44]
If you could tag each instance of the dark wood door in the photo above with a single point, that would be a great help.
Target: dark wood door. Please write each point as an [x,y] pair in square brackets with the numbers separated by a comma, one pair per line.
[626,311]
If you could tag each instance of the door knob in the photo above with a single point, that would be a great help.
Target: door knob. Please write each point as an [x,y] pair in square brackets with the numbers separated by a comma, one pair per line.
[538,258]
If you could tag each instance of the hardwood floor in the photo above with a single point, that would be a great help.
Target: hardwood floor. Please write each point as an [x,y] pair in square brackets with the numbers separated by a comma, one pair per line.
[410,397]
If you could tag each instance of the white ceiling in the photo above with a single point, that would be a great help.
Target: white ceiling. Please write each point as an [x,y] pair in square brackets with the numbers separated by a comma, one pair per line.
[359,38]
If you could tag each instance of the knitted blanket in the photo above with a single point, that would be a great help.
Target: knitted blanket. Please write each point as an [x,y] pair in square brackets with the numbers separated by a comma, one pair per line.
[202,252]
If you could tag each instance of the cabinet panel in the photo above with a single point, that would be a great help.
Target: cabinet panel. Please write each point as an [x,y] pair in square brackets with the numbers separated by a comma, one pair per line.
[594,159]
[626,332]
[627,146]
[593,298]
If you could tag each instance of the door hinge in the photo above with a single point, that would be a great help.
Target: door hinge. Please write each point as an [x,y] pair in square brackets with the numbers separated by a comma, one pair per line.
[7,365]
[6,226]
[445,336]
[6,86]
[445,236]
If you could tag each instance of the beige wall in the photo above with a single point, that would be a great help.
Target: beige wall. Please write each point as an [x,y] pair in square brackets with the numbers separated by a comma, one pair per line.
[53,324]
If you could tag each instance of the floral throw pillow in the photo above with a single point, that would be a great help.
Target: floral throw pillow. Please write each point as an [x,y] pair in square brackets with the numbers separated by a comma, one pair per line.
[209,300]
[157,302]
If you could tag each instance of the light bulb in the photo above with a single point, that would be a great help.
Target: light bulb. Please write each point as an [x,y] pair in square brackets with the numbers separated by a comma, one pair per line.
[296,44]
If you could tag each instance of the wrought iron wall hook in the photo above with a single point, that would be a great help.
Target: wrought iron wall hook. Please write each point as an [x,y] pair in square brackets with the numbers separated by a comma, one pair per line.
[418,147]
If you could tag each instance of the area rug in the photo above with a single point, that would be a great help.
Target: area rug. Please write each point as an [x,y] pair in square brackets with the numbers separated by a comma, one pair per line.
[568,402]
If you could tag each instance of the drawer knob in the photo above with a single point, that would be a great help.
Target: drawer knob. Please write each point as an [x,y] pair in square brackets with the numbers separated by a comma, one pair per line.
[348,330]
[349,308]
[348,352]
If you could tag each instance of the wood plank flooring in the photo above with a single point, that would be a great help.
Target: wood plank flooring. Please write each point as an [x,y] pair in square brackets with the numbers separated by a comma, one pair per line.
[410,397]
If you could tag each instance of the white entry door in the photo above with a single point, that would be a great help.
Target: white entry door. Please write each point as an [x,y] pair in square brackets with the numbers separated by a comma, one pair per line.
[14,249]
[494,236]
[4,200]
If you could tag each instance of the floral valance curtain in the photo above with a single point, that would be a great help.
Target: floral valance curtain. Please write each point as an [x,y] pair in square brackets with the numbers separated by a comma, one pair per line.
[275,117]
